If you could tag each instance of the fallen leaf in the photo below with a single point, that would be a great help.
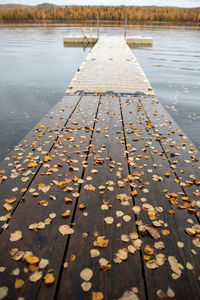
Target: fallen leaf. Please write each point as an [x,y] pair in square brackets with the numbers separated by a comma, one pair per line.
[153,232]
[2,269]
[15,272]
[101,242]
[129,295]
[189,266]
[37,275]
[43,263]
[175,266]
[43,187]
[97,296]
[119,213]
[15,236]
[86,274]
[109,220]
[120,184]
[170,292]
[94,253]
[3,292]
[32,259]
[11,200]
[126,218]
[19,283]
[49,278]
[86,286]
[65,229]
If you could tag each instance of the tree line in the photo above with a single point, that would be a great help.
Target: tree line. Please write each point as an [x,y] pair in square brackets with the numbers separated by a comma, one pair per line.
[110,13]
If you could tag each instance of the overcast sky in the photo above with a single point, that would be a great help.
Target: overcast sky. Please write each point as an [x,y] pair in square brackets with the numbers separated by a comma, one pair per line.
[180,3]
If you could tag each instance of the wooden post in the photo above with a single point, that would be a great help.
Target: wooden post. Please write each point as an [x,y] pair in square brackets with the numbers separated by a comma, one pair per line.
[125,24]
[91,32]
[98,26]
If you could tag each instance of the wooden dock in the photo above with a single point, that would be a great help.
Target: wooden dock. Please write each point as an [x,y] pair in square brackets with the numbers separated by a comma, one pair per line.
[101,200]
[110,66]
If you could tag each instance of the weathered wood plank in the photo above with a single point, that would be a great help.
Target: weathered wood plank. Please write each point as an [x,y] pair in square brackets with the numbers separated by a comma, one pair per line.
[102,203]
[146,159]
[68,160]
[184,158]
[32,150]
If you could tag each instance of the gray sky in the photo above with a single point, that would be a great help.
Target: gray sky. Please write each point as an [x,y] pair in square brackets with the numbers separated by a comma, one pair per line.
[183,3]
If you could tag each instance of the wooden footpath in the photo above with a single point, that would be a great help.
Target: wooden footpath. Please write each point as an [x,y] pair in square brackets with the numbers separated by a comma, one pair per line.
[101,201]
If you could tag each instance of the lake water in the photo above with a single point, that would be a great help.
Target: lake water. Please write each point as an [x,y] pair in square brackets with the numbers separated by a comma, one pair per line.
[36,69]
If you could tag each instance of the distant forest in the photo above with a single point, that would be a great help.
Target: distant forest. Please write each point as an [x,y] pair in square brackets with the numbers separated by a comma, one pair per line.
[49,12]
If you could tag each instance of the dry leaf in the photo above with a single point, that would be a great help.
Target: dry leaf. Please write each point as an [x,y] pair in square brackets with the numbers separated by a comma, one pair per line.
[175,266]
[120,184]
[19,283]
[37,275]
[94,253]
[3,292]
[119,213]
[49,278]
[32,259]
[2,269]
[15,236]
[101,242]
[86,274]
[180,244]
[189,266]
[159,245]
[126,218]
[109,220]
[43,187]
[129,295]
[11,200]
[153,232]
[136,209]
[86,286]
[65,229]
[97,296]
[125,238]
[170,292]
[43,263]
[15,272]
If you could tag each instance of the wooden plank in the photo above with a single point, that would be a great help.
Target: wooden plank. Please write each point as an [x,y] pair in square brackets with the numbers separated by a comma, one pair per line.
[146,155]
[108,148]
[68,160]
[184,158]
[32,149]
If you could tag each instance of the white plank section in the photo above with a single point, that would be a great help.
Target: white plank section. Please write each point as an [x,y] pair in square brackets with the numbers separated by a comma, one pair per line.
[110,66]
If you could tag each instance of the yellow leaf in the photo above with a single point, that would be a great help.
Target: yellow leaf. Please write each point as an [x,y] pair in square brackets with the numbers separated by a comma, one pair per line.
[11,200]
[134,193]
[66,213]
[101,242]
[31,165]
[72,257]
[42,126]
[47,158]
[32,259]
[68,200]
[19,283]
[49,278]
[97,296]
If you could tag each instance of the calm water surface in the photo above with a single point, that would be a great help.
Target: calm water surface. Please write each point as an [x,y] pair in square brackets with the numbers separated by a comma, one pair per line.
[36,69]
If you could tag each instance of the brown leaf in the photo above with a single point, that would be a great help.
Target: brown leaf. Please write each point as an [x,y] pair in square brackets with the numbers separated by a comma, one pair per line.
[153,232]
